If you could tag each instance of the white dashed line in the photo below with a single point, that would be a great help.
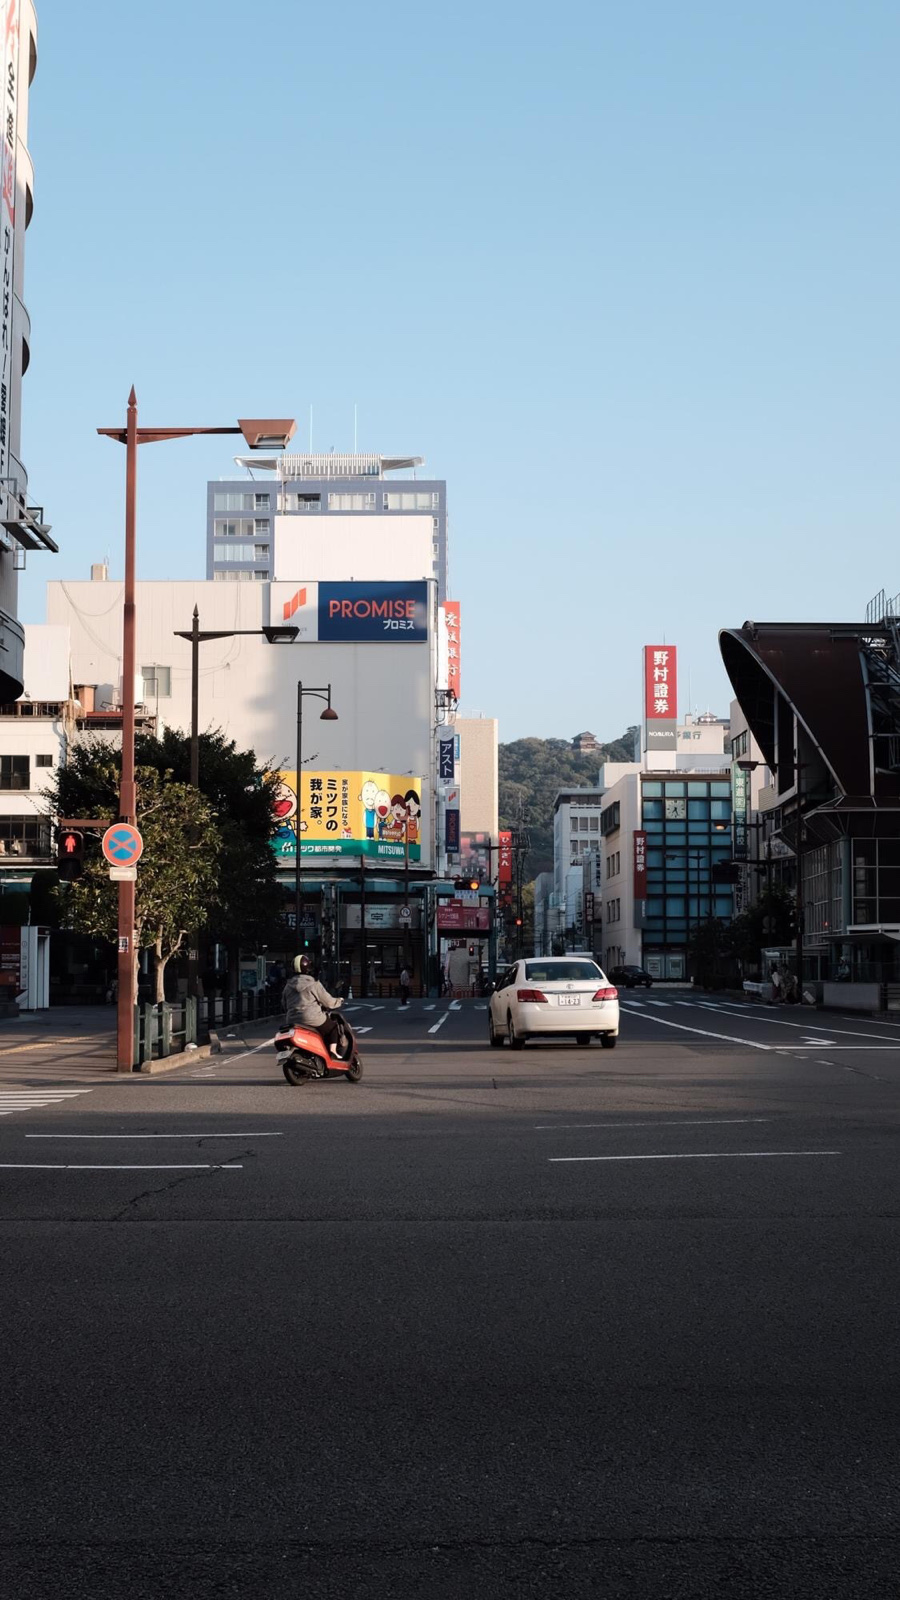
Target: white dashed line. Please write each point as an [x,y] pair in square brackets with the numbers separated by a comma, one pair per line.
[440,1023]
[703,1155]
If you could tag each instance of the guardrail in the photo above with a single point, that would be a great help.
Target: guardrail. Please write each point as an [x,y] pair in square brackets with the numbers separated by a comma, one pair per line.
[167,1028]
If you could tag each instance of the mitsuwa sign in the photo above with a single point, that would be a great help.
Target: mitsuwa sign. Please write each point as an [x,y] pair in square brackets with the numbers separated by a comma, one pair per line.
[353,613]
[372,814]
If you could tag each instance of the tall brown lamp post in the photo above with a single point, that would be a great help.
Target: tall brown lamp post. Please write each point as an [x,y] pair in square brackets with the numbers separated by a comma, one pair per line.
[260,434]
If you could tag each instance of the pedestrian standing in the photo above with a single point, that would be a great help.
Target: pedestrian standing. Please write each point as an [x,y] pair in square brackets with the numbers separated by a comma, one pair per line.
[775,976]
[404,987]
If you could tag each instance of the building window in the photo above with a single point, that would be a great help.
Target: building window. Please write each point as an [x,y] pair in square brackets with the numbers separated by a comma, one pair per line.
[226,529]
[43,761]
[224,500]
[352,502]
[260,502]
[24,836]
[15,772]
[261,527]
[157,683]
[609,818]
[583,824]
[233,552]
[594,824]
[412,500]
[233,577]
[260,552]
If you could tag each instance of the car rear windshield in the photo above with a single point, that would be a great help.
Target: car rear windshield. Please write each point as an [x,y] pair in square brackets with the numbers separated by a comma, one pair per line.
[562,972]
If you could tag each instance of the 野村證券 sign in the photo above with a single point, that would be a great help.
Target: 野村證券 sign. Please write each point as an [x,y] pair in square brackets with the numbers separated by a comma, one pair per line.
[640,864]
[372,814]
[660,697]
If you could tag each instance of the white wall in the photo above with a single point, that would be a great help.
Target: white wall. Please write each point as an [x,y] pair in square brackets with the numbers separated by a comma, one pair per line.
[332,548]
[382,692]
[47,650]
[479,783]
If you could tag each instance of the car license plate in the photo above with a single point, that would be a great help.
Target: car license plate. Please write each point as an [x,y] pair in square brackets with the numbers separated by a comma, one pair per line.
[570,999]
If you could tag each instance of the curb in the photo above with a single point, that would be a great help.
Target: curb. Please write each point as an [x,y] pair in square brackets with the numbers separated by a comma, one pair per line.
[202,1052]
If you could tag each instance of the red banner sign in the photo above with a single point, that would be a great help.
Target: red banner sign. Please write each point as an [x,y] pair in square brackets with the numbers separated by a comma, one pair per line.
[505,859]
[450,609]
[640,865]
[660,683]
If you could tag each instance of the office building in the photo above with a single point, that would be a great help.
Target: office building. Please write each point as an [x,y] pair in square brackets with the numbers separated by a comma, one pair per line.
[333,516]
[22,526]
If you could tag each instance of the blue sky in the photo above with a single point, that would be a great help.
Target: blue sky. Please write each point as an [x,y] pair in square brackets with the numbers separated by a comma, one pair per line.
[626,275]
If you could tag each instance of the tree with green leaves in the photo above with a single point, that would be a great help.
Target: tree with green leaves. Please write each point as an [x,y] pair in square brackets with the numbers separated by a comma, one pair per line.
[178,874]
[243,904]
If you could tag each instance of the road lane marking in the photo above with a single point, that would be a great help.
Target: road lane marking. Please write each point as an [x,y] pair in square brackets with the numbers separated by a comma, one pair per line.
[812,1027]
[702,1155]
[551,1127]
[664,1003]
[366,1029]
[455,1005]
[78,1166]
[429,1008]
[440,1022]
[95,1136]
[730,1038]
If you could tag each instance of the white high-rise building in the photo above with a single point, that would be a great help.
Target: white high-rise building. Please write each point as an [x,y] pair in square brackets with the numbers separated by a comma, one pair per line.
[22,527]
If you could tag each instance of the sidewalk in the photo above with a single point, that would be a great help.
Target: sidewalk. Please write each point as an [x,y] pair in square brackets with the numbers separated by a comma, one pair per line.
[77,1044]
[65,1044]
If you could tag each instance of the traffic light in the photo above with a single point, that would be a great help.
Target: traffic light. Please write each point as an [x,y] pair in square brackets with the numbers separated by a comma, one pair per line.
[472,883]
[70,855]
[518,922]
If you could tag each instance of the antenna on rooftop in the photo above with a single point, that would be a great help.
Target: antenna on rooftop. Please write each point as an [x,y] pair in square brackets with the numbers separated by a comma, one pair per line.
[310,428]
[355,419]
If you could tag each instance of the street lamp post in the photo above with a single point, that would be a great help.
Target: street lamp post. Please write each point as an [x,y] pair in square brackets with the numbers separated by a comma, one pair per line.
[328,715]
[260,435]
[275,635]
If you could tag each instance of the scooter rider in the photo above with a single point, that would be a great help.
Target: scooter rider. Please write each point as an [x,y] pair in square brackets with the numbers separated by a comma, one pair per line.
[304,1001]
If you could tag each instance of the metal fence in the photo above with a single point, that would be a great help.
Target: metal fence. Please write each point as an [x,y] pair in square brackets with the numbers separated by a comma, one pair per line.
[166,1029]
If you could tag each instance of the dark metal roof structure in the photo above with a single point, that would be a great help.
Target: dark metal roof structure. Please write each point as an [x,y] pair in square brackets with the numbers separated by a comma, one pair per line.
[842,683]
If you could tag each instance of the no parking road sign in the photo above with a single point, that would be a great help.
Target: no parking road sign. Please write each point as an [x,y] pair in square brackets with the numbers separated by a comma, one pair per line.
[122,845]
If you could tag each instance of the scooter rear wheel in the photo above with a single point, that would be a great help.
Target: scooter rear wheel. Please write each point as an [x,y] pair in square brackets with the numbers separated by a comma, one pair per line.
[355,1070]
[293,1074]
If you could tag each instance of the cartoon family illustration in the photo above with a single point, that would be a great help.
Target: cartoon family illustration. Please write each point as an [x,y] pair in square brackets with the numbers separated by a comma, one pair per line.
[390,818]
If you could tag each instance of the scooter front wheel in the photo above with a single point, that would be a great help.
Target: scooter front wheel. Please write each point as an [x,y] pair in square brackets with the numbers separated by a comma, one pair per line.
[355,1070]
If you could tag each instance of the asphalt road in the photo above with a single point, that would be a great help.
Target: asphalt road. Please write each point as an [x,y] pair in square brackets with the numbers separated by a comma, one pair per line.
[563,1322]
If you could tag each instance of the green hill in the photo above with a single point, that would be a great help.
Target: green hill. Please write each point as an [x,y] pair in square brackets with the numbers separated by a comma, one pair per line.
[532,770]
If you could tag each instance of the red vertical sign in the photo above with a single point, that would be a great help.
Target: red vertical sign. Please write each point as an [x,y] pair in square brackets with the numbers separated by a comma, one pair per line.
[660,683]
[640,864]
[504,859]
[450,609]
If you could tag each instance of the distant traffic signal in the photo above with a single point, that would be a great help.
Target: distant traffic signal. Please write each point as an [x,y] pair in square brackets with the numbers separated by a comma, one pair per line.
[472,883]
[70,855]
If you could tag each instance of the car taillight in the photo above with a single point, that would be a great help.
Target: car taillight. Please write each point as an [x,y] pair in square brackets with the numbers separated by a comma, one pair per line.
[531,997]
[607,994]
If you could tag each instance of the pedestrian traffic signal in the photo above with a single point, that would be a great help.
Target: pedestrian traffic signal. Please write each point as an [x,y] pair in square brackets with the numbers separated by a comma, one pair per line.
[518,922]
[70,855]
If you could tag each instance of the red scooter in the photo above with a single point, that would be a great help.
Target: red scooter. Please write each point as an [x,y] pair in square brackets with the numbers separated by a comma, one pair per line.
[302,1053]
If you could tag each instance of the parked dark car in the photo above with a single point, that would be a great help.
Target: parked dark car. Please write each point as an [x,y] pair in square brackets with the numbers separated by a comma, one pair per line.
[630,977]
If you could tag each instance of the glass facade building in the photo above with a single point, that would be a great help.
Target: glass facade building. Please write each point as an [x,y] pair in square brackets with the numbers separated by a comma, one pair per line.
[687,821]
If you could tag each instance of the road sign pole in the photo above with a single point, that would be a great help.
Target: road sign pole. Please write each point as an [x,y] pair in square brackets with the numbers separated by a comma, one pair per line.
[127,962]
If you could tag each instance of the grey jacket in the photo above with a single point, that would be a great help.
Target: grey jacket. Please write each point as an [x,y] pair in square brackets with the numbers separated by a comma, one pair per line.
[304,1000]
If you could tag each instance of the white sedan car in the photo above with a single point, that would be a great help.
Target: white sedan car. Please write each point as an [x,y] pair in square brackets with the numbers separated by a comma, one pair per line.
[564,995]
